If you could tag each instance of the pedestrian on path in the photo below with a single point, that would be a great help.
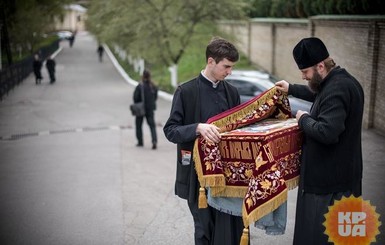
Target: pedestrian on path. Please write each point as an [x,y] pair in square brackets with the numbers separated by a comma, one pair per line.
[147,91]
[331,160]
[72,39]
[194,102]
[100,51]
[37,64]
[50,65]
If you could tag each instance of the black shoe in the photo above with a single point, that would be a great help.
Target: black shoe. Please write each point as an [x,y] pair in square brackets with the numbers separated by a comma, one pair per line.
[139,144]
[154,146]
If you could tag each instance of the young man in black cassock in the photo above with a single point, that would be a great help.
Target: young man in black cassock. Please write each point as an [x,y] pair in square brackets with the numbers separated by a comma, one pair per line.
[193,103]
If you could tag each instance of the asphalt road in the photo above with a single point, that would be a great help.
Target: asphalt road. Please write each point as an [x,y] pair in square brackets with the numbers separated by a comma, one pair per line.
[70,172]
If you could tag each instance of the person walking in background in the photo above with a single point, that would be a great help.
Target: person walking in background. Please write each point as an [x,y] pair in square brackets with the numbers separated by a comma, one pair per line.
[100,51]
[50,65]
[194,102]
[72,39]
[37,64]
[147,89]
[331,161]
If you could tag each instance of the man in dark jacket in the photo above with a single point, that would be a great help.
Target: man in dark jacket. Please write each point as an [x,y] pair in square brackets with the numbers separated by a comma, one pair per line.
[100,51]
[194,102]
[50,65]
[37,64]
[331,162]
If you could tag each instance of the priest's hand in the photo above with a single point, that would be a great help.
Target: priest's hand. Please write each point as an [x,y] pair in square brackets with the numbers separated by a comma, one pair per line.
[282,86]
[209,132]
[299,114]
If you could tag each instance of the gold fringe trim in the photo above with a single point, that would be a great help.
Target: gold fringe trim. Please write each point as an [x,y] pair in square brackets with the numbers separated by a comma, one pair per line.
[217,180]
[229,191]
[197,162]
[264,209]
[242,114]
[292,183]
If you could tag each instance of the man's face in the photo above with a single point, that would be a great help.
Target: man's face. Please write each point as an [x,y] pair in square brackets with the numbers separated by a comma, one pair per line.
[313,78]
[218,71]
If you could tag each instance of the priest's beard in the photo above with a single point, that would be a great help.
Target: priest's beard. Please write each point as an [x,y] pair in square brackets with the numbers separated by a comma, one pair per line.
[315,82]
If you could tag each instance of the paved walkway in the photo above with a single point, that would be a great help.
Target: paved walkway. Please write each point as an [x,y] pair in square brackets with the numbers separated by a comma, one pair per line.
[70,172]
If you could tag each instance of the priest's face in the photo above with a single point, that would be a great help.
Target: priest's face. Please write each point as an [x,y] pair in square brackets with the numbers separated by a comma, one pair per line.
[218,71]
[313,78]
[315,82]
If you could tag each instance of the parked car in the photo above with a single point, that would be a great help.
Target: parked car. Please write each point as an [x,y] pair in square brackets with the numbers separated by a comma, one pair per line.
[253,83]
[64,35]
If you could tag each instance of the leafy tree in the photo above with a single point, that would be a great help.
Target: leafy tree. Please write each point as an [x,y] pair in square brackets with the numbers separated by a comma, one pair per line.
[26,22]
[259,8]
[283,8]
[157,30]
[306,8]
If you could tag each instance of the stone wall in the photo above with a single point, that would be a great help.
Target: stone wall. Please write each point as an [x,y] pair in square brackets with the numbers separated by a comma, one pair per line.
[379,87]
[356,43]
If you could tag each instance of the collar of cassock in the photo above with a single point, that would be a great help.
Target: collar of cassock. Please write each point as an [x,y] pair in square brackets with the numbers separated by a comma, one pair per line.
[214,84]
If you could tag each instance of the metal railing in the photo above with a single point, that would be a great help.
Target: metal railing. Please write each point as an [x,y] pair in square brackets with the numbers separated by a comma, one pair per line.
[14,74]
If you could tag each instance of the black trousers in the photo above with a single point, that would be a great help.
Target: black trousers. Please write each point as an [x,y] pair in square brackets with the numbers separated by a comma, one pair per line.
[310,212]
[51,76]
[38,76]
[151,123]
[213,227]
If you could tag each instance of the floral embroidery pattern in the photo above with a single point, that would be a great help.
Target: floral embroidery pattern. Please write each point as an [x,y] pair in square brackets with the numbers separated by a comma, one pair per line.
[257,163]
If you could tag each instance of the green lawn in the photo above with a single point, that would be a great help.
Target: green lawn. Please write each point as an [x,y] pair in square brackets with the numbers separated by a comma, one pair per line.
[190,65]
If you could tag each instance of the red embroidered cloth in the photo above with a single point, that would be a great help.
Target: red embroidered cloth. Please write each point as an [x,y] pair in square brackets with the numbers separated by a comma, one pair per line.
[257,158]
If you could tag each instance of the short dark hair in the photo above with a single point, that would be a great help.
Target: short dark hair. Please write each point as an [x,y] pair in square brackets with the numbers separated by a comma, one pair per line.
[146,75]
[219,49]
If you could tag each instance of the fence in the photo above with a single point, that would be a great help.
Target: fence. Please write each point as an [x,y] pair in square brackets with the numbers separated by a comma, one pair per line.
[14,74]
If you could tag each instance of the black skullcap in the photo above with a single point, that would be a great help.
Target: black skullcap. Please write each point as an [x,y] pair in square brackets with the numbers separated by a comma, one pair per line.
[309,52]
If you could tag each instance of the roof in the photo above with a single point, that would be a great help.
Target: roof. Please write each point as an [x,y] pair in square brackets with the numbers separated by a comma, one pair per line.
[76,7]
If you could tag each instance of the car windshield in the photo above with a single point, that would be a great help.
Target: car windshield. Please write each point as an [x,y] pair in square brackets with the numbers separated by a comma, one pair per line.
[253,83]
[266,84]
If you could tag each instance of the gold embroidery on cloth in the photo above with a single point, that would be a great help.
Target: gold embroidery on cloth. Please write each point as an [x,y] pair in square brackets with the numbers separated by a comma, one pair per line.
[257,164]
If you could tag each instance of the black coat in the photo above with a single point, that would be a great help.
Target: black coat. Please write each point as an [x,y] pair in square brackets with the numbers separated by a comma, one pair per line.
[37,68]
[150,95]
[332,154]
[50,64]
[181,126]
